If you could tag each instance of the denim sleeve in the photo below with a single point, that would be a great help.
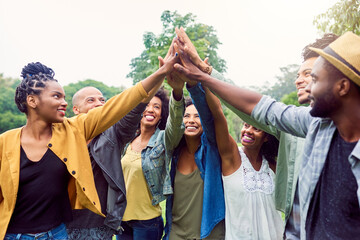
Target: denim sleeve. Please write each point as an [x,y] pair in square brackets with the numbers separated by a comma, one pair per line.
[246,118]
[174,129]
[198,97]
[287,118]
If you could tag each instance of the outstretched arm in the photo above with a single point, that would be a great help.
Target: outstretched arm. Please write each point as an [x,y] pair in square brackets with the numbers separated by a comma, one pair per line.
[242,99]
[228,150]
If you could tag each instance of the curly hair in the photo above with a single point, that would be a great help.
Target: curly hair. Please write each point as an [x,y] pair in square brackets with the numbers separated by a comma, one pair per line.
[164,97]
[269,149]
[319,43]
[34,75]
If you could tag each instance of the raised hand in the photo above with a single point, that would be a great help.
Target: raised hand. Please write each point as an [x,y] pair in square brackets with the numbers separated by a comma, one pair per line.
[185,42]
[189,71]
[170,59]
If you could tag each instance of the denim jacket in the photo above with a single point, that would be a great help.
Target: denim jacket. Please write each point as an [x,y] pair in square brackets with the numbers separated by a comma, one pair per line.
[155,158]
[208,161]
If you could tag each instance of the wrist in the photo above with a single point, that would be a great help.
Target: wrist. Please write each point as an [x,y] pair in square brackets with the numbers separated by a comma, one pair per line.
[205,68]
[177,94]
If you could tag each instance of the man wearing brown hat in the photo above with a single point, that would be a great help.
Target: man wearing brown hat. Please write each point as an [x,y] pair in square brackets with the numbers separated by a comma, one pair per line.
[330,169]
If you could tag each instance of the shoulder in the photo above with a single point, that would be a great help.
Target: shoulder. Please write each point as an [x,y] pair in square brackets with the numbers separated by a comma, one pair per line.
[10,133]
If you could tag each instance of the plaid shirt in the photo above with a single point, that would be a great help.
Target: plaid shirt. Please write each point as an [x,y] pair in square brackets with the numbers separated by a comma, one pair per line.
[318,133]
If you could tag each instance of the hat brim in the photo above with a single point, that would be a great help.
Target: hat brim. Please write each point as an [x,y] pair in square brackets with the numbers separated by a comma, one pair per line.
[339,65]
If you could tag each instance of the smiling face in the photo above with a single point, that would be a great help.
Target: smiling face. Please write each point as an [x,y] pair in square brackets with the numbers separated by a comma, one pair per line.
[303,79]
[50,105]
[152,113]
[252,137]
[87,99]
[192,122]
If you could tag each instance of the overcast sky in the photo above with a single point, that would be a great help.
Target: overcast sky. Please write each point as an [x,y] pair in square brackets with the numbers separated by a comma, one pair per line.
[83,39]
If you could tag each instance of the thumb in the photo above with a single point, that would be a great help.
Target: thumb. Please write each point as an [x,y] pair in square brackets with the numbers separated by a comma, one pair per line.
[161,61]
[181,69]
[206,60]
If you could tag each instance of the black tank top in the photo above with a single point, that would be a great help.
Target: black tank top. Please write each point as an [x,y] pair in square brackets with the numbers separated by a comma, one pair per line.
[42,200]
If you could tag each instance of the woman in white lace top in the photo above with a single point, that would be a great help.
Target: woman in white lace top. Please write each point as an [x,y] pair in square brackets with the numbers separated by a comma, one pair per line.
[248,179]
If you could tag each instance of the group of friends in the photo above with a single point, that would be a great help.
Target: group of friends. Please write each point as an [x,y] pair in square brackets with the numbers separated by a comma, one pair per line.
[105,171]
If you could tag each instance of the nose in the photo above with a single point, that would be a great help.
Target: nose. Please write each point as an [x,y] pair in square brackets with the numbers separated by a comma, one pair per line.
[249,130]
[98,103]
[308,87]
[299,80]
[64,103]
[149,109]
[191,119]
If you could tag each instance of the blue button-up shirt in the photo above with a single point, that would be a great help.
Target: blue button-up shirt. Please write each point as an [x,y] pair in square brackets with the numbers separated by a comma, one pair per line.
[208,161]
[318,132]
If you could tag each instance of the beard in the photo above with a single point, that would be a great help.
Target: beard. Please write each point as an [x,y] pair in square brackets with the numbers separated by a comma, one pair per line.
[325,106]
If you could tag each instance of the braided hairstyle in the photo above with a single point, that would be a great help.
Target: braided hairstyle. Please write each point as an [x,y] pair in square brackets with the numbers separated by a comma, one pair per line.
[319,43]
[34,75]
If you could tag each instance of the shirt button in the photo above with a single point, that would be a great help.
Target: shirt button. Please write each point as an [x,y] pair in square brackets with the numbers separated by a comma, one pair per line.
[73,172]
[50,145]
[94,203]
[65,159]
[83,189]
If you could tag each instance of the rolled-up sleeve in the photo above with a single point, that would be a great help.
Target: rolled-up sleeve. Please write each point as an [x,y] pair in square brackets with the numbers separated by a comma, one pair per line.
[287,118]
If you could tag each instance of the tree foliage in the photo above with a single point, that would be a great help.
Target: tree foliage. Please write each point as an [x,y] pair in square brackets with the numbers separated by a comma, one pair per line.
[203,37]
[72,88]
[342,17]
[11,117]
[284,84]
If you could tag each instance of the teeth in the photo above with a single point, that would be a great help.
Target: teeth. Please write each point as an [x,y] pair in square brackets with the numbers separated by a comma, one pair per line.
[150,117]
[191,128]
[247,138]
[61,111]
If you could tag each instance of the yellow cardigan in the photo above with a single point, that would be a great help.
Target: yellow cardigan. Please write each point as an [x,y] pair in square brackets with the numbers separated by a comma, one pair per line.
[68,142]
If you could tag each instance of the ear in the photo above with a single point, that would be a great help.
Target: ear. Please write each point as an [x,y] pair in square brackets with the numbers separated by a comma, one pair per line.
[32,101]
[343,86]
[76,110]
[266,138]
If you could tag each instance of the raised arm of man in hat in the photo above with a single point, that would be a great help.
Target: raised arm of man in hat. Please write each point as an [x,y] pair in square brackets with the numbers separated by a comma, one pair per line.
[291,147]
[326,170]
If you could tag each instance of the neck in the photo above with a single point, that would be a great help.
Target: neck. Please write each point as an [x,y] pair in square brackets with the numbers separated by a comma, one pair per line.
[192,144]
[37,129]
[146,133]
[347,122]
[253,154]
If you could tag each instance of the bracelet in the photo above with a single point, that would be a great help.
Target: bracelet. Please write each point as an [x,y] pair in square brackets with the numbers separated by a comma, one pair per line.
[208,69]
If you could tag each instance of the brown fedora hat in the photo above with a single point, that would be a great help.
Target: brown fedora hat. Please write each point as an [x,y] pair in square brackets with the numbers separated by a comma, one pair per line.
[344,54]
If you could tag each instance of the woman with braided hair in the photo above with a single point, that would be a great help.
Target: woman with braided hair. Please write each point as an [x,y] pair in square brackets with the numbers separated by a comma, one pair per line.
[45,169]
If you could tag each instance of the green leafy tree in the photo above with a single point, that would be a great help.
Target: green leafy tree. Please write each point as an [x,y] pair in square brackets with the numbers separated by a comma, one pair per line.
[10,116]
[72,88]
[342,17]
[203,37]
[291,99]
[284,84]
